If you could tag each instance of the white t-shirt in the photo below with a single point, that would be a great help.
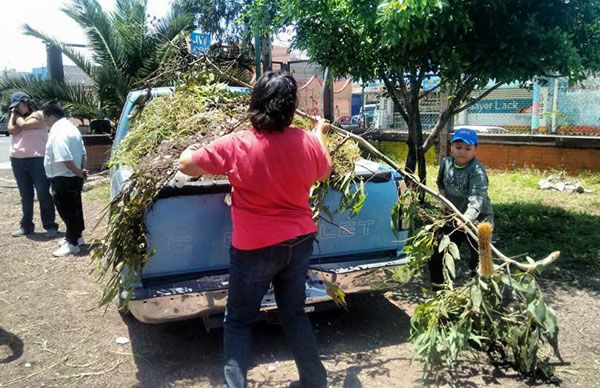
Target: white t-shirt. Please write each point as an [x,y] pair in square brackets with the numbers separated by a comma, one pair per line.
[64,144]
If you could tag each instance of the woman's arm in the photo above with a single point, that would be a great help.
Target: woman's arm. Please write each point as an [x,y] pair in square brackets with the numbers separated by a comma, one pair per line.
[12,127]
[320,131]
[33,121]
[187,164]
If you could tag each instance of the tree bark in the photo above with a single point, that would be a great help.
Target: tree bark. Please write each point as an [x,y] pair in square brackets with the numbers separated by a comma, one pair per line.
[415,160]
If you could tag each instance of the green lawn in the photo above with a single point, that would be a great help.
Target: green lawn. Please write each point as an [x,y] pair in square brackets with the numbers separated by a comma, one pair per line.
[537,222]
[100,193]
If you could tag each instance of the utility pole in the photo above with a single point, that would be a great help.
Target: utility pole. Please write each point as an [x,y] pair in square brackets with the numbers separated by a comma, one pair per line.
[54,63]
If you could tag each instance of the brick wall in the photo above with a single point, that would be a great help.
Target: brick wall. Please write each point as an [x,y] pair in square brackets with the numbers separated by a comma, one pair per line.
[98,149]
[508,156]
[544,152]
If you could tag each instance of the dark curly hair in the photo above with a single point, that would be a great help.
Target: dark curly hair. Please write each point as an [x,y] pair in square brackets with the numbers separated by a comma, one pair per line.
[273,102]
[53,108]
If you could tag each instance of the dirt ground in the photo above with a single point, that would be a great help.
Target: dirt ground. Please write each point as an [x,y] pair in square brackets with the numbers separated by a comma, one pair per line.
[53,334]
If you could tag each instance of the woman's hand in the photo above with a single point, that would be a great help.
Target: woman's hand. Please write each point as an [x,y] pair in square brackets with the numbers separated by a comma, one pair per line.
[186,162]
[322,127]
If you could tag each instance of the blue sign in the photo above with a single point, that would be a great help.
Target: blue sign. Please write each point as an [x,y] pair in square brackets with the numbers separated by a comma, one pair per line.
[514,105]
[199,42]
[430,83]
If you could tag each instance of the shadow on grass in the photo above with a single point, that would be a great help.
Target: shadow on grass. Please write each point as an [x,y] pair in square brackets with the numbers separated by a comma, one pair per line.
[537,230]
[185,352]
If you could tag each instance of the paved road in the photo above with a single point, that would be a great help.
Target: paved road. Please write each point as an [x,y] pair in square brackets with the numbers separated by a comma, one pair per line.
[4,147]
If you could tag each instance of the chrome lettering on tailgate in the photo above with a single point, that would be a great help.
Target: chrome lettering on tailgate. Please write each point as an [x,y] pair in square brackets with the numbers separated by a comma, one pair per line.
[345,229]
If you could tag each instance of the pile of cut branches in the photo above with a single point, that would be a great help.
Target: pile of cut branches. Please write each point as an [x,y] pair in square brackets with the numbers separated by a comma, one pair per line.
[161,128]
[501,310]
[495,311]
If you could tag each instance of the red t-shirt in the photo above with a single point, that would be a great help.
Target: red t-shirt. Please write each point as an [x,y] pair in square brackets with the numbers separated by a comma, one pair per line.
[271,175]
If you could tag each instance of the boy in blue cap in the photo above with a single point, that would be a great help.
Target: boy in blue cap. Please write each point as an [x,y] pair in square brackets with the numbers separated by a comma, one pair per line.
[462,179]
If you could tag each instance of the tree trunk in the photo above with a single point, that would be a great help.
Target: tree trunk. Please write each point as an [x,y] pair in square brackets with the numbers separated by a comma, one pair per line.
[415,160]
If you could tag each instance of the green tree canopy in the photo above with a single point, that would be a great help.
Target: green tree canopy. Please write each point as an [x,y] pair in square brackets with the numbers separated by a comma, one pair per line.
[216,17]
[128,50]
[466,43]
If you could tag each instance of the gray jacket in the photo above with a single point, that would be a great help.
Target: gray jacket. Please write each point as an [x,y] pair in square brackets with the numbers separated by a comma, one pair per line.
[467,189]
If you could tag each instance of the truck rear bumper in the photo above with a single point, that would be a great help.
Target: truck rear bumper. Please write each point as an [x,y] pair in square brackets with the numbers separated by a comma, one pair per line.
[207,296]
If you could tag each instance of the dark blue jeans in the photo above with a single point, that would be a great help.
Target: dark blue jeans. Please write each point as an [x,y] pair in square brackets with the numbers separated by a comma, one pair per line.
[29,174]
[251,273]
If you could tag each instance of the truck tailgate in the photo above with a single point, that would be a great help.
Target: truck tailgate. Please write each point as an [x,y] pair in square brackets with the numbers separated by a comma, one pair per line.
[189,230]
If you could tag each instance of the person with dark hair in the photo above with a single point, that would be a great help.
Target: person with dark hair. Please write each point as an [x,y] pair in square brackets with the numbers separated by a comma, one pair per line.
[64,164]
[27,147]
[271,169]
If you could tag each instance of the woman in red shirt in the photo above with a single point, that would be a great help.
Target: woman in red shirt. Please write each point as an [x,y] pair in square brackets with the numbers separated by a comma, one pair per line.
[271,169]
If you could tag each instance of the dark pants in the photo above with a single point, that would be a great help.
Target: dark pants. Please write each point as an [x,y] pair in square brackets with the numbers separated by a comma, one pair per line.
[436,263]
[29,174]
[251,273]
[66,192]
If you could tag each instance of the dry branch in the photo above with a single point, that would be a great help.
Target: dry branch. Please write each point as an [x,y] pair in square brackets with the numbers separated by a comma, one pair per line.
[35,373]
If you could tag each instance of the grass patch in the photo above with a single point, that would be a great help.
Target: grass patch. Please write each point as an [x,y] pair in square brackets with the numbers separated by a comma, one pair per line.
[522,186]
[536,222]
[99,193]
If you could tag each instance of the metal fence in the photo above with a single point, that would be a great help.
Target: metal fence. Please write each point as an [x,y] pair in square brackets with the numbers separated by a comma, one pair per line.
[548,106]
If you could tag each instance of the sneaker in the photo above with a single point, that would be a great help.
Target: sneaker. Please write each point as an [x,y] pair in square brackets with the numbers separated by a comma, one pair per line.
[51,233]
[21,232]
[63,241]
[66,250]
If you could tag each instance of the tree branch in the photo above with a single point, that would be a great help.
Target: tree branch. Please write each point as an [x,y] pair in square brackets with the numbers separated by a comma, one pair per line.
[442,120]
[393,95]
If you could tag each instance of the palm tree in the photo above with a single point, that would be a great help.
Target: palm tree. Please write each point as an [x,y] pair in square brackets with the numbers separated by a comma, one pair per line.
[128,50]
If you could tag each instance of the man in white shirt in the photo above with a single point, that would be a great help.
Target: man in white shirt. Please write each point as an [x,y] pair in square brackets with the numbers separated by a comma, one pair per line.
[64,163]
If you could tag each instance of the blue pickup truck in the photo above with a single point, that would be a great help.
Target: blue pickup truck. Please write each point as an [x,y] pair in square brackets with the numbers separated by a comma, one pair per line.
[189,229]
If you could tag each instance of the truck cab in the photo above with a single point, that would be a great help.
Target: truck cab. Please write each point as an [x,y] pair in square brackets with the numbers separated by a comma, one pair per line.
[189,232]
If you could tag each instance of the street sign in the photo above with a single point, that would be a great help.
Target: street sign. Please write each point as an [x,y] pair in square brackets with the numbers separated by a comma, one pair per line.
[199,42]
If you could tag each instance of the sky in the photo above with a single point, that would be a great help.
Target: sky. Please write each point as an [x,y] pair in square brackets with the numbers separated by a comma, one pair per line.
[21,52]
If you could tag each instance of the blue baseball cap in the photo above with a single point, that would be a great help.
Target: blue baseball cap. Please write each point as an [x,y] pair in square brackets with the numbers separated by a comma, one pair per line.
[467,136]
[18,97]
